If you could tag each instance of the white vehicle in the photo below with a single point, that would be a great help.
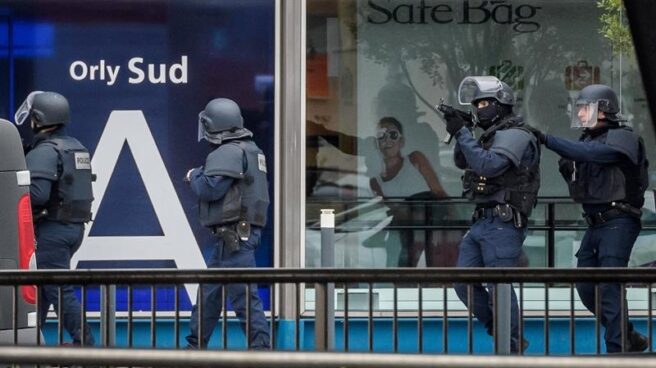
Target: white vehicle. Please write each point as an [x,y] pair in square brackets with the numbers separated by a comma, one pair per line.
[17,241]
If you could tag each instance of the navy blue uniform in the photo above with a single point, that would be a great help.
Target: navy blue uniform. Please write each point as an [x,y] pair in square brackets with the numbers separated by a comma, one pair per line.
[57,241]
[606,243]
[491,240]
[213,188]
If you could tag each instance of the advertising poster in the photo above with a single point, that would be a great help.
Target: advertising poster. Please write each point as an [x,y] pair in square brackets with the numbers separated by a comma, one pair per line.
[136,75]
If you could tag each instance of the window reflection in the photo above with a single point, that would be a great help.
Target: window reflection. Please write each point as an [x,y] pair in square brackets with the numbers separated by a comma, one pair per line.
[378,66]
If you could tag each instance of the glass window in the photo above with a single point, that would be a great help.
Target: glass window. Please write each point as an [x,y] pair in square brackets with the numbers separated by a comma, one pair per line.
[375,71]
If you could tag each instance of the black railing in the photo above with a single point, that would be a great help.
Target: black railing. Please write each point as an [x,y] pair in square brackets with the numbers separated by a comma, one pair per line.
[343,279]
[551,215]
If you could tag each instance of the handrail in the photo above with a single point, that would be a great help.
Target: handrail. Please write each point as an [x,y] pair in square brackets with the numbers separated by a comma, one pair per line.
[256,359]
[327,275]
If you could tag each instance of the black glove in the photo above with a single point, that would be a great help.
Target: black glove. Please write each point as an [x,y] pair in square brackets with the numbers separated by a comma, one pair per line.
[541,137]
[454,122]
[566,168]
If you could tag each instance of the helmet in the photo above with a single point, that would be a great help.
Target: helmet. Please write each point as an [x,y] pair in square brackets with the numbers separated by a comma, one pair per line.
[603,95]
[44,109]
[473,89]
[591,99]
[220,121]
[221,114]
[50,108]
[503,96]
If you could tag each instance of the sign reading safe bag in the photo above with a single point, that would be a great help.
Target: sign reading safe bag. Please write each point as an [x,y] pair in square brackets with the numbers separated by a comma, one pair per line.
[135,84]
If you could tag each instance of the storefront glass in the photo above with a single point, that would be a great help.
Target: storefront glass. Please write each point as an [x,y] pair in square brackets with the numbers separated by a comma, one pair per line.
[375,71]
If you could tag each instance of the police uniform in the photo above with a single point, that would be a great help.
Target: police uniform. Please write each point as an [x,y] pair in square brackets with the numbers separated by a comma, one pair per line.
[232,190]
[502,178]
[61,197]
[606,171]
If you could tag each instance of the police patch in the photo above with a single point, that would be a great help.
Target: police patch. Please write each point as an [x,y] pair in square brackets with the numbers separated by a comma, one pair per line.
[82,161]
[261,162]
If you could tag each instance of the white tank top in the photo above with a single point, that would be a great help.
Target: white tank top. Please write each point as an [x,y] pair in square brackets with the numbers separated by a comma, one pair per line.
[408,181]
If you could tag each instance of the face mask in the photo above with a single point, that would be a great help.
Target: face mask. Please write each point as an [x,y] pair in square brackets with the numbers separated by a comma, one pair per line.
[487,116]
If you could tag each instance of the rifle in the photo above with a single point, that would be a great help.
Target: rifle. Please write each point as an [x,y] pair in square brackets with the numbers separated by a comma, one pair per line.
[447,109]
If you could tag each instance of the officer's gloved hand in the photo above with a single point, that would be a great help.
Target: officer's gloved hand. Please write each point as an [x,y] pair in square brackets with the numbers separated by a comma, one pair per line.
[566,168]
[453,123]
[187,177]
[541,137]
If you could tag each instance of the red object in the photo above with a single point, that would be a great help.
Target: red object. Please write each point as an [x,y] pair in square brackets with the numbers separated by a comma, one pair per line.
[26,244]
[581,75]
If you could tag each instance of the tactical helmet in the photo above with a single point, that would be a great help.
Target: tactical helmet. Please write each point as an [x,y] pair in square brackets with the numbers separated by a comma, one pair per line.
[603,95]
[221,114]
[504,95]
[49,109]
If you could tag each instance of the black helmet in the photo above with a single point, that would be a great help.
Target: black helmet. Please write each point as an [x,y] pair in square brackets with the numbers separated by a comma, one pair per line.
[603,95]
[504,96]
[221,114]
[221,121]
[49,109]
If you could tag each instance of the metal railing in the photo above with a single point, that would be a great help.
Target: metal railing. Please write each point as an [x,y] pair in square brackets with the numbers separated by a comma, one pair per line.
[344,279]
[258,359]
[551,215]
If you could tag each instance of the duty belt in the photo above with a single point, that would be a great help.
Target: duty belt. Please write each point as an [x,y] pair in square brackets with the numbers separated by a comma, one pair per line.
[503,211]
[601,217]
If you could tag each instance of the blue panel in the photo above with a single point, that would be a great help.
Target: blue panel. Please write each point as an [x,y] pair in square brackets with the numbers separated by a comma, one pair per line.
[229,51]
[130,212]
[31,39]
[585,340]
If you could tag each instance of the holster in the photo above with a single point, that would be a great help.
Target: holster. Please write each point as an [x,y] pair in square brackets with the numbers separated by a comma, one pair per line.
[230,238]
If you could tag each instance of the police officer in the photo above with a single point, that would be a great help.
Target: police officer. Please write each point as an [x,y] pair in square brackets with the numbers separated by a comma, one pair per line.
[606,171]
[232,190]
[502,177]
[60,191]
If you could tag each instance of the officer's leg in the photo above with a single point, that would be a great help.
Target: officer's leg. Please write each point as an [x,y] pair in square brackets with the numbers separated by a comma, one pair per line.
[54,252]
[501,246]
[587,257]
[211,304]
[259,328]
[616,242]
[470,256]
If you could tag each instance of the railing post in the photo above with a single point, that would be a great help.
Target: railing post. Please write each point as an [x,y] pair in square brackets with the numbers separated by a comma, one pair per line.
[108,314]
[503,321]
[324,323]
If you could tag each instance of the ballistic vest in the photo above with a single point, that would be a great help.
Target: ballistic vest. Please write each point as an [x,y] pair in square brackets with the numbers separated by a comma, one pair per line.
[517,186]
[71,195]
[625,181]
[248,197]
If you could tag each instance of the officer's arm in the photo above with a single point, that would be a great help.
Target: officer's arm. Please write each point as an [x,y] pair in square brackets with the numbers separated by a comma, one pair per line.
[42,162]
[209,188]
[588,151]
[458,157]
[483,162]
[40,192]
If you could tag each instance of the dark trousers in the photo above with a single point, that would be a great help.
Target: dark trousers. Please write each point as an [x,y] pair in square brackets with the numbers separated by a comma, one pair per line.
[236,295]
[56,244]
[490,243]
[608,245]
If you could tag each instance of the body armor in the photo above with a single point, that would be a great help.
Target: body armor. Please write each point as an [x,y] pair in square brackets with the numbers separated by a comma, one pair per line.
[518,186]
[71,196]
[627,181]
[247,200]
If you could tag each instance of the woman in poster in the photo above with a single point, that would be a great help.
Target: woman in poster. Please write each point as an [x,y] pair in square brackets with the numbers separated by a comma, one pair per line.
[404,178]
